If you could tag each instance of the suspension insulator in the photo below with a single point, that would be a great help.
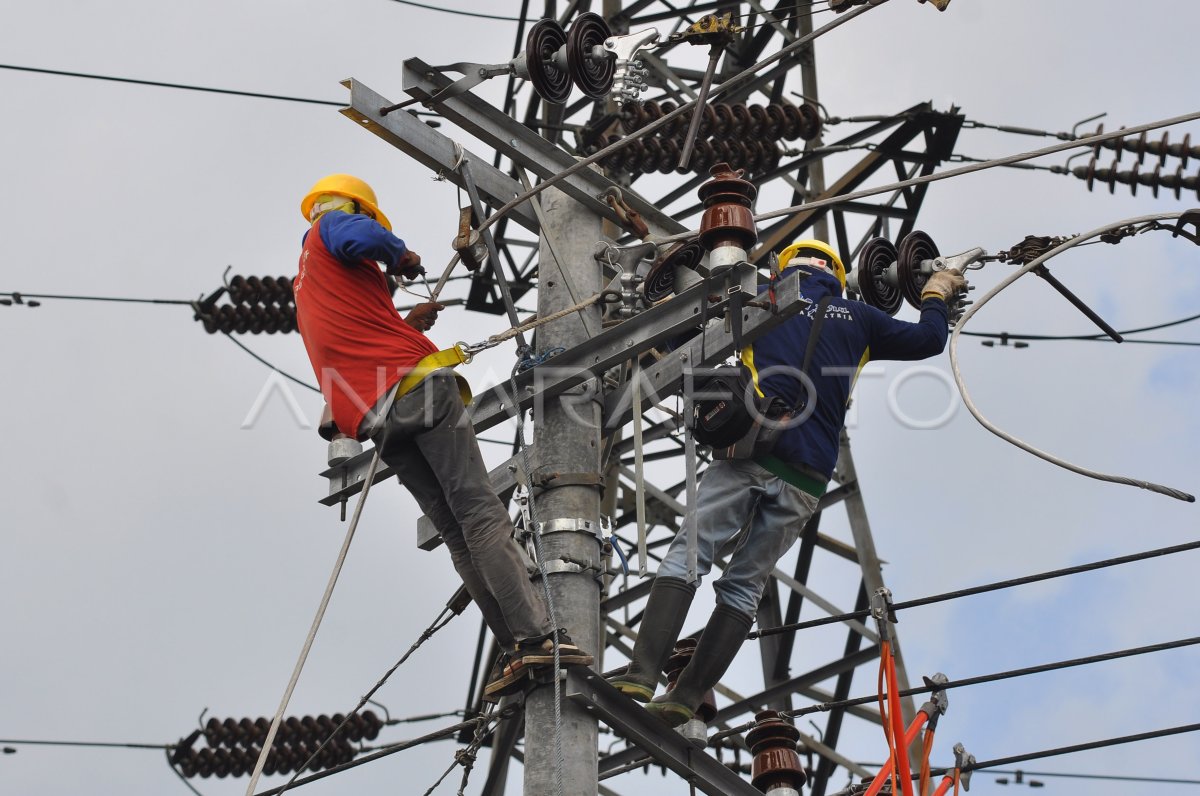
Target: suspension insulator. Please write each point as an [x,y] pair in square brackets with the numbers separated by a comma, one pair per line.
[776,762]
[670,161]
[587,60]
[776,121]
[810,127]
[550,78]
[722,120]
[876,275]
[672,127]
[632,117]
[708,123]
[914,248]
[759,121]
[741,119]
[204,763]
[728,219]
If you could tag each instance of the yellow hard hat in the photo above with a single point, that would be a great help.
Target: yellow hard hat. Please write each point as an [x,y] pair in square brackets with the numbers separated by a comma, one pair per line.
[816,249]
[350,187]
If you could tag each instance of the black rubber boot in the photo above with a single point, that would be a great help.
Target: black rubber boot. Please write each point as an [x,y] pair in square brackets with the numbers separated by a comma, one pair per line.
[666,611]
[719,644]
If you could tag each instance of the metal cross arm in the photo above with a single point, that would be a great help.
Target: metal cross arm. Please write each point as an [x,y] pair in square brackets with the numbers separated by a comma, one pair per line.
[607,349]
[525,147]
[435,151]
[663,744]
[665,377]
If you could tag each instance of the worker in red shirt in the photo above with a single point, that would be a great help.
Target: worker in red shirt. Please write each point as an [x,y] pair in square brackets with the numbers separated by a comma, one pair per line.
[361,351]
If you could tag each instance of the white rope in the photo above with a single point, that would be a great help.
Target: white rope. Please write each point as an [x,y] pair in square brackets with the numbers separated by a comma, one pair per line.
[962,387]
[312,633]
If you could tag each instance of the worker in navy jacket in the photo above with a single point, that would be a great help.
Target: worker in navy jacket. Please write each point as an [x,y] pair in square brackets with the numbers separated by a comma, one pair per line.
[774,495]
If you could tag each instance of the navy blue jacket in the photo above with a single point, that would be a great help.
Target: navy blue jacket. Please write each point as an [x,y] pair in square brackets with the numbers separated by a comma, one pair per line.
[853,334]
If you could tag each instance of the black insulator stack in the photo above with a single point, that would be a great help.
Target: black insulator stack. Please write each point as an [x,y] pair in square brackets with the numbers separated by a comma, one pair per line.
[1141,146]
[744,136]
[1154,179]
[234,744]
[257,305]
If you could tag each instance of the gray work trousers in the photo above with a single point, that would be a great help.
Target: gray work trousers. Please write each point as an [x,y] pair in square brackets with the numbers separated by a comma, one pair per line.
[432,446]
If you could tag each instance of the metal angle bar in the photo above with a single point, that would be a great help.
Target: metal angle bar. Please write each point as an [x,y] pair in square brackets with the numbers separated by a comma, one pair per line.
[666,375]
[522,145]
[808,678]
[665,745]
[432,149]
[833,725]
[497,267]
[609,348]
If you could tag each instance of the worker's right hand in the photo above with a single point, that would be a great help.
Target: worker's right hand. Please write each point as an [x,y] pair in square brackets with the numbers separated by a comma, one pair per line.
[409,266]
[944,285]
[423,316]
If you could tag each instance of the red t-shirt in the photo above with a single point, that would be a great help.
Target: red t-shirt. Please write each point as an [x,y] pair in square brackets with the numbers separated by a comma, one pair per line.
[357,342]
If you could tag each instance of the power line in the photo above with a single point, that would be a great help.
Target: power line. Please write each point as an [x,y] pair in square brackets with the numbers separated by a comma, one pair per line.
[1083,747]
[461,12]
[1066,775]
[159,84]
[1053,337]
[1004,584]
[97,744]
[1011,674]
[283,373]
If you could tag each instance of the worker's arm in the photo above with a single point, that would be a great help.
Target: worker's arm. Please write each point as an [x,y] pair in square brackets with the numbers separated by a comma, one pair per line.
[893,339]
[353,239]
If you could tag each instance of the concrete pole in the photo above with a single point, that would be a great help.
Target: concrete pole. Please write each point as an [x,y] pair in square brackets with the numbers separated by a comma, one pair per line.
[567,438]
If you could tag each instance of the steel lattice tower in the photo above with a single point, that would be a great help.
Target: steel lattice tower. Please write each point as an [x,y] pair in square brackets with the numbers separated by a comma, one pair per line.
[775,128]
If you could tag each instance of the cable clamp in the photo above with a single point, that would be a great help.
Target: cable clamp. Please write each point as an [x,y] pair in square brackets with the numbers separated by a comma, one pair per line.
[570,525]
[938,702]
[963,760]
[882,611]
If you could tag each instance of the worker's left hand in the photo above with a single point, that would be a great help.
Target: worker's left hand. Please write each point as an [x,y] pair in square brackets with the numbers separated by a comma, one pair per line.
[423,316]
[945,285]
[409,266]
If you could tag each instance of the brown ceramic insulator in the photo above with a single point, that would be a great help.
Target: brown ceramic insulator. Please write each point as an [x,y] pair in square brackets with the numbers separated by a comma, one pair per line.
[670,156]
[774,156]
[669,129]
[776,762]
[652,112]
[660,279]
[680,656]
[793,121]
[728,219]
[703,156]
[811,126]
[724,123]
[759,121]
[214,734]
[708,122]
[776,121]
[632,117]
[741,119]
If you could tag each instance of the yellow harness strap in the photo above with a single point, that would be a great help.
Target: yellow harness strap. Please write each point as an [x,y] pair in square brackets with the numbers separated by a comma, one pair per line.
[446,358]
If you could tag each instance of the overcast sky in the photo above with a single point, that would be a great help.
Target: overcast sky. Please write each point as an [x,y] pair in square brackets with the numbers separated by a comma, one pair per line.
[163,556]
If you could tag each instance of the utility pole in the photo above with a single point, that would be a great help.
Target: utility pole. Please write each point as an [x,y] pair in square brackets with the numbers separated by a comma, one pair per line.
[565,484]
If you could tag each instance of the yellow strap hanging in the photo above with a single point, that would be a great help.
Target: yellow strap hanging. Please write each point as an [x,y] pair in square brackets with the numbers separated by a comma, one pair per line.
[446,358]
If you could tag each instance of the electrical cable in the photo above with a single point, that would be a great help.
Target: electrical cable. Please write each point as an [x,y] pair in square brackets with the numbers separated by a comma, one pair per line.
[461,12]
[981,679]
[283,373]
[962,387]
[160,84]
[1113,777]
[440,621]
[1082,747]
[95,744]
[23,295]
[1153,328]
[182,778]
[968,592]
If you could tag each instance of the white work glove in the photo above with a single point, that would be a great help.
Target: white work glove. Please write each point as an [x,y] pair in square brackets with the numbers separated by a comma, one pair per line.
[946,285]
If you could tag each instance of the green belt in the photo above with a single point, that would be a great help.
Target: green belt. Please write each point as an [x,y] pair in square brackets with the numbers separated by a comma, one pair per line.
[791,474]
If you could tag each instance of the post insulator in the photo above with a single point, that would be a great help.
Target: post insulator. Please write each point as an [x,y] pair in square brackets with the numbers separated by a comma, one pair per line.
[776,764]
[728,219]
